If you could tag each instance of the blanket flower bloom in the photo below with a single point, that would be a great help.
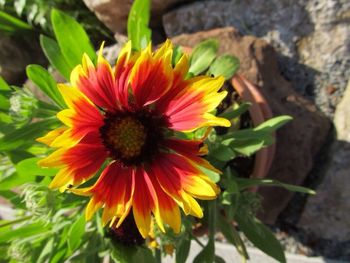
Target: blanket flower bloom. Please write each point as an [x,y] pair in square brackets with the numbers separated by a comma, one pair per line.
[125,119]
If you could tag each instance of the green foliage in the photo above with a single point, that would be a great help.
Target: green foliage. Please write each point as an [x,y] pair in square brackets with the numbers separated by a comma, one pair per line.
[225,66]
[54,55]
[203,55]
[71,37]
[183,246]
[46,83]
[131,254]
[11,25]
[36,15]
[261,236]
[138,31]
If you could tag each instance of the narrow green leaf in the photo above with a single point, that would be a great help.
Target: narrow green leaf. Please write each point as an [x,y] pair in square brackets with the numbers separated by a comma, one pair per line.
[249,182]
[225,65]
[6,236]
[232,237]
[43,80]
[12,24]
[183,249]
[26,135]
[46,251]
[54,55]
[177,54]
[203,55]
[236,112]
[71,37]
[138,31]
[274,123]
[76,233]
[261,236]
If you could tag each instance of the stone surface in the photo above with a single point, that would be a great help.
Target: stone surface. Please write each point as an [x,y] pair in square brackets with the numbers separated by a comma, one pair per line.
[327,215]
[114,13]
[15,55]
[312,37]
[230,254]
[300,140]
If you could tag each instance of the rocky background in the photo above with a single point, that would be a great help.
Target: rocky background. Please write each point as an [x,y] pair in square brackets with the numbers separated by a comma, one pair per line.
[298,54]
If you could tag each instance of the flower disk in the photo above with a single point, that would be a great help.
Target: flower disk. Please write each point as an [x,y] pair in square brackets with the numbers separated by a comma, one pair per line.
[126,117]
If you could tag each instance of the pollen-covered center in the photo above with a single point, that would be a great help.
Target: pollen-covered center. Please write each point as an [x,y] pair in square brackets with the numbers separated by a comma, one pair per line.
[132,137]
[127,136]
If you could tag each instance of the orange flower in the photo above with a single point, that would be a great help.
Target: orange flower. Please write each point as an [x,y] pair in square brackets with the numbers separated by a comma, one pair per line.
[126,116]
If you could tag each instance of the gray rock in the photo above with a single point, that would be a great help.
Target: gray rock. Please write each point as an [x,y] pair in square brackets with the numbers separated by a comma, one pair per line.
[312,37]
[327,215]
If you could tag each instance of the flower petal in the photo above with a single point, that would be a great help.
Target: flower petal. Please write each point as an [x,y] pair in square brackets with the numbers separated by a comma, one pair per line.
[96,83]
[152,75]
[189,110]
[77,164]
[181,180]
[145,201]
[82,117]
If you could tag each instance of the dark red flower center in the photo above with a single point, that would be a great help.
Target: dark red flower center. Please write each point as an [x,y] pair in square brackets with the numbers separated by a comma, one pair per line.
[132,137]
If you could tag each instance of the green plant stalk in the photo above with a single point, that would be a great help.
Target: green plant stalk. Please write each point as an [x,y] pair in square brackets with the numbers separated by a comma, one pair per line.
[19,220]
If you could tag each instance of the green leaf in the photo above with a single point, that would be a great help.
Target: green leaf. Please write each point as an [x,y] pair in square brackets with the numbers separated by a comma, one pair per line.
[274,123]
[26,135]
[11,24]
[261,236]
[225,65]
[219,259]
[177,54]
[71,37]
[236,112]
[30,167]
[215,177]
[182,249]
[203,55]
[6,236]
[54,55]
[138,31]
[247,147]
[46,83]
[4,103]
[131,254]
[46,251]
[244,183]
[207,254]
[223,153]
[3,85]
[232,236]
[76,233]
[15,180]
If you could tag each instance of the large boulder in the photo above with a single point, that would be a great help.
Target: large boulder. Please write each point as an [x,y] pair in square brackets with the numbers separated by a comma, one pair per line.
[326,214]
[15,54]
[312,38]
[297,143]
[114,13]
